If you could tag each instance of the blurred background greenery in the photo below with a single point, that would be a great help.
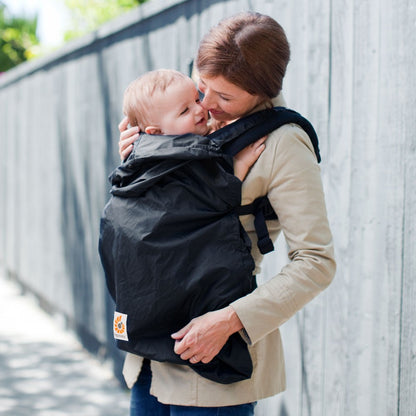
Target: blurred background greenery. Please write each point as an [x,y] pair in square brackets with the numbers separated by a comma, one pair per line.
[19,38]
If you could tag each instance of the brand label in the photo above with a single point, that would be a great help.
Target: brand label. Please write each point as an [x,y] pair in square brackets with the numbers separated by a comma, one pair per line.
[120,326]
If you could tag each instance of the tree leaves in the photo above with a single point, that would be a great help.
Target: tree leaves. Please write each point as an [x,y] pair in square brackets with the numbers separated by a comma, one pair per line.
[18,39]
[86,16]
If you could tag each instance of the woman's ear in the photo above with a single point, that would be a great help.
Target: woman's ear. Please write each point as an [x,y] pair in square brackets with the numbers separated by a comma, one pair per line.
[152,130]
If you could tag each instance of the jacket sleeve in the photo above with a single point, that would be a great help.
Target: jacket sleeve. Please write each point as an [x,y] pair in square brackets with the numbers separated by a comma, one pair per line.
[291,176]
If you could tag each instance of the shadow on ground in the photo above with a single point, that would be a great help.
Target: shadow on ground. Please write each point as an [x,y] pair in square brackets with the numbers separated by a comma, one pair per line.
[45,372]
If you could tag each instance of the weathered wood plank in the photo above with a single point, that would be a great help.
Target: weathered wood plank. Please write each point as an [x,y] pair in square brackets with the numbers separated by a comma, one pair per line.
[338,189]
[399,139]
[312,321]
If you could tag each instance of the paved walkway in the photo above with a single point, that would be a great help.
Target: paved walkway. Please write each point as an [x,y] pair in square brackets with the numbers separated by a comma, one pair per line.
[43,369]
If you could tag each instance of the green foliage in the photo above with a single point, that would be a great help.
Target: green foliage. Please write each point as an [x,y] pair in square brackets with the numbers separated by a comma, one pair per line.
[88,15]
[18,39]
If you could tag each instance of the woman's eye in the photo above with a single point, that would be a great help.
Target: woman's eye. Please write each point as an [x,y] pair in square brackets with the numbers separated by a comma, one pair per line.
[201,87]
[184,111]
[224,98]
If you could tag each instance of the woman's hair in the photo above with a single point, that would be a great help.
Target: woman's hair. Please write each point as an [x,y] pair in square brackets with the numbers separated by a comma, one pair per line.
[138,103]
[249,50]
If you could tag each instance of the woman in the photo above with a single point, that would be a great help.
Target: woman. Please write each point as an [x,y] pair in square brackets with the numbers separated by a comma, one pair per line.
[241,64]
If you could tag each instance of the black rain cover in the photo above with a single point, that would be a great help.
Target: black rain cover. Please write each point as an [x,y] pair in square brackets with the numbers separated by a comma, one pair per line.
[173,248]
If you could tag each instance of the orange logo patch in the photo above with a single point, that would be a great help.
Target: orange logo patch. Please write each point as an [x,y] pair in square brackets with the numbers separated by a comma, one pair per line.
[120,326]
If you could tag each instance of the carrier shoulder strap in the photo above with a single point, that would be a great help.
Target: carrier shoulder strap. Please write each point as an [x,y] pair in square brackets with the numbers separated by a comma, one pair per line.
[254,127]
[249,129]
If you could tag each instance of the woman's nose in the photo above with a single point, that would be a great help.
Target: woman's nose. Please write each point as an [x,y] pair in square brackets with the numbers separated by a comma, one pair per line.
[207,100]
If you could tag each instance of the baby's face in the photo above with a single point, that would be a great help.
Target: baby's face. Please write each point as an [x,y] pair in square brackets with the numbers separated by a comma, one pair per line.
[179,110]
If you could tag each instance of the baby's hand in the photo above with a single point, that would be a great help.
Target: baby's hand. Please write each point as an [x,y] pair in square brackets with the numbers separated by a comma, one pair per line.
[127,137]
[246,158]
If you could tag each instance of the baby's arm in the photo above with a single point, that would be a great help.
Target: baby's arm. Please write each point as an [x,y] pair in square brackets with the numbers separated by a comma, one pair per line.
[246,158]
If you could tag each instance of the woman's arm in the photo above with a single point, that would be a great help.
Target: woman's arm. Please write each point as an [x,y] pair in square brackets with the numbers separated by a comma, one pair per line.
[290,175]
[295,191]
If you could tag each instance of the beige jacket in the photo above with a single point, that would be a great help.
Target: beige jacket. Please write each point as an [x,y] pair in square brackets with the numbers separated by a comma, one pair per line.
[287,171]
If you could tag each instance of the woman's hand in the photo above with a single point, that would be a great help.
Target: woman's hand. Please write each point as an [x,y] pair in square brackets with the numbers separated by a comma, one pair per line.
[203,338]
[127,137]
[246,158]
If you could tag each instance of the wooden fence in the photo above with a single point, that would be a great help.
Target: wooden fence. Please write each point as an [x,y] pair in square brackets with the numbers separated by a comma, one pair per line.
[352,351]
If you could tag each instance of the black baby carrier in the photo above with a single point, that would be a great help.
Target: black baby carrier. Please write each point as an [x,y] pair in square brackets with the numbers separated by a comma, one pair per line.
[171,243]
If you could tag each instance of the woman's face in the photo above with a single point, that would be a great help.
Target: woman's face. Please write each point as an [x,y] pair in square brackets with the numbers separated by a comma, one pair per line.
[226,101]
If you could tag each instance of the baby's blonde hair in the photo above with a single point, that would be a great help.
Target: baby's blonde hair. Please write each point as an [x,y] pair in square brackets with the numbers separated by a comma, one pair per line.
[138,103]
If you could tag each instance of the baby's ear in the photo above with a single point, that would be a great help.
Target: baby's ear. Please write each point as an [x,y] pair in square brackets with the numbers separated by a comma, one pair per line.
[152,130]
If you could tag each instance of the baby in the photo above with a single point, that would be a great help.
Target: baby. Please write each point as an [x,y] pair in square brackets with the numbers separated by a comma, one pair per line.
[167,102]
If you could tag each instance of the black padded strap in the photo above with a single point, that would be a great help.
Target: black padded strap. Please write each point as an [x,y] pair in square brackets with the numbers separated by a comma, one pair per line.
[247,130]
[262,123]
[262,211]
